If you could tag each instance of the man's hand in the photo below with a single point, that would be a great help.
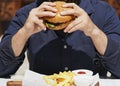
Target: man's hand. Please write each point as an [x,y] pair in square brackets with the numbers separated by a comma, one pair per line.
[34,23]
[82,21]
[85,24]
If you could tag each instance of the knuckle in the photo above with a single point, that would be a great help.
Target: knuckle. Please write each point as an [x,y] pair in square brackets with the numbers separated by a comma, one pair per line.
[45,3]
[73,4]
[33,11]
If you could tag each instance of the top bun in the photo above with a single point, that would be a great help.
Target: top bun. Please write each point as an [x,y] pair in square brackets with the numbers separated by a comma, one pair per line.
[58,18]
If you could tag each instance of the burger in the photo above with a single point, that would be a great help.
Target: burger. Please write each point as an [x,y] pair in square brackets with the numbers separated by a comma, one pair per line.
[58,22]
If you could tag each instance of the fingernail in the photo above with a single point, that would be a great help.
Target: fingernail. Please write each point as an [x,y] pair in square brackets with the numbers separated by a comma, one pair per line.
[69,31]
[62,13]
[53,14]
[65,31]
[63,5]
[56,10]
[44,29]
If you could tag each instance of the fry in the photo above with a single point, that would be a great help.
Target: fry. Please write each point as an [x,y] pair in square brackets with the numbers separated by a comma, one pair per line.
[61,79]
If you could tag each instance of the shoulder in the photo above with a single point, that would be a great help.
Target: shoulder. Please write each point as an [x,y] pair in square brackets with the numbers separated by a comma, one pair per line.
[26,9]
[22,14]
[103,9]
[102,5]
[103,13]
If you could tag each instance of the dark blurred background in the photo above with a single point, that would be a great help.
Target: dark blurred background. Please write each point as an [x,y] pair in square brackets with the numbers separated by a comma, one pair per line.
[8,9]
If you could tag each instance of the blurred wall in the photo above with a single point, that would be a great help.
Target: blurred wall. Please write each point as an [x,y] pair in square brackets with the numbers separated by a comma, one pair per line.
[8,9]
[115,4]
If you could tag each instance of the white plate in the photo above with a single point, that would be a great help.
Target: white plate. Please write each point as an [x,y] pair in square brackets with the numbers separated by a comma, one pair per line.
[35,79]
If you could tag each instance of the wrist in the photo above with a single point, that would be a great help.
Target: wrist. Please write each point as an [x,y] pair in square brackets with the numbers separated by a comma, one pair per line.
[25,33]
[95,32]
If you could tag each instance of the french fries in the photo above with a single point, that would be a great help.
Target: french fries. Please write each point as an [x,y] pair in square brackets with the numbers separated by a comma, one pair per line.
[61,79]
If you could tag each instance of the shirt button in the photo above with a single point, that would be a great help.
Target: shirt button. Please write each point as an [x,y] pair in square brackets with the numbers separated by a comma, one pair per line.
[66,68]
[65,46]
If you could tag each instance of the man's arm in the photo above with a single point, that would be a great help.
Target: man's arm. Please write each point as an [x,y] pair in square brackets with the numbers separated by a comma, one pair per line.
[33,24]
[100,40]
[85,24]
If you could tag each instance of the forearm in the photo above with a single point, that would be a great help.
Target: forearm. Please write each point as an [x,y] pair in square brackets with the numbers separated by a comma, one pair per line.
[99,40]
[19,40]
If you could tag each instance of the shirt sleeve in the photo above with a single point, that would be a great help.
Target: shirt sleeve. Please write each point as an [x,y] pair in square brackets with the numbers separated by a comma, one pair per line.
[8,62]
[111,58]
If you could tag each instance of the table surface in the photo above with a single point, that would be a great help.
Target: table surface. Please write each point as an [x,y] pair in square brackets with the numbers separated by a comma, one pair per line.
[103,82]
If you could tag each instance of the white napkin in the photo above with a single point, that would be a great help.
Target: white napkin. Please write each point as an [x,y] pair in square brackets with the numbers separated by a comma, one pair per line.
[33,79]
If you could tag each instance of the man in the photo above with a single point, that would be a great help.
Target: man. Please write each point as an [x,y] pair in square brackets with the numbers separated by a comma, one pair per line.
[91,41]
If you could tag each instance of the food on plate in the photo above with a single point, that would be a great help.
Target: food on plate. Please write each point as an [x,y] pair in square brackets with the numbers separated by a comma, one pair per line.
[83,72]
[58,22]
[61,79]
[66,78]
[14,83]
[70,78]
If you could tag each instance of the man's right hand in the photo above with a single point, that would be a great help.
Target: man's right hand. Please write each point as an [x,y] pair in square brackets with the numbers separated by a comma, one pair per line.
[34,22]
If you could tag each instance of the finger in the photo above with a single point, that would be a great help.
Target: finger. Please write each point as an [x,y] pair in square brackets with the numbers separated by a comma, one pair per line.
[48,8]
[68,12]
[76,27]
[43,27]
[39,29]
[48,3]
[45,13]
[73,24]
[76,11]
[69,5]
[39,22]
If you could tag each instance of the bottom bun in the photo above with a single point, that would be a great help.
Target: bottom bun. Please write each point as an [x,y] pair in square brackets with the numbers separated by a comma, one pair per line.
[59,27]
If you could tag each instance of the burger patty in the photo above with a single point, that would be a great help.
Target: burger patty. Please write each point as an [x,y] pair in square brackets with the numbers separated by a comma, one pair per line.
[52,25]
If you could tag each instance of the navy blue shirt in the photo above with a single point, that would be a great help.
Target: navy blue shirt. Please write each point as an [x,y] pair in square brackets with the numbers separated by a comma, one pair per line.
[52,51]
